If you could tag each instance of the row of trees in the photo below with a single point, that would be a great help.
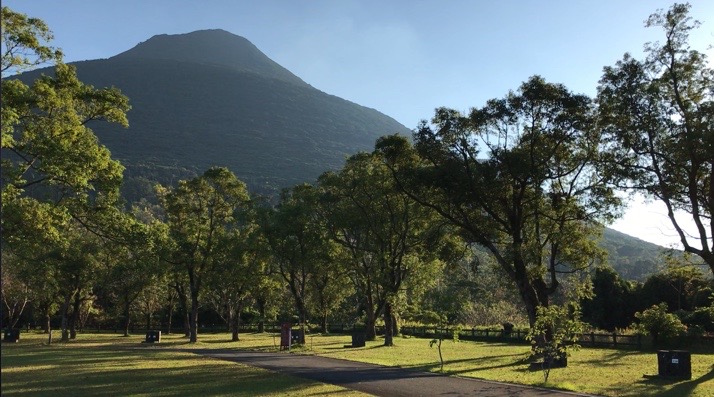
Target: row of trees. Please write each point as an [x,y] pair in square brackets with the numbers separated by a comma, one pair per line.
[683,289]
[524,182]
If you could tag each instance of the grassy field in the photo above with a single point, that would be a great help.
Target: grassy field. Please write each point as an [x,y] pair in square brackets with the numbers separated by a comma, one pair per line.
[100,364]
[110,365]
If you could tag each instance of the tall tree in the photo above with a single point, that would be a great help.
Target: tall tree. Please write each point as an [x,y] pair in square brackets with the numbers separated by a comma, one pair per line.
[53,168]
[240,265]
[298,243]
[390,237]
[200,214]
[658,118]
[532,199]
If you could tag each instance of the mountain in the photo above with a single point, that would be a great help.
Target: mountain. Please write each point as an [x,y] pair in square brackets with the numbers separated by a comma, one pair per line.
[212,98]
[632,258]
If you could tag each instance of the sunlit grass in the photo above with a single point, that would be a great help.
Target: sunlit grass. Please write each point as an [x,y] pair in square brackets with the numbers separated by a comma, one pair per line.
[110,365]
[599,371]
[109,360]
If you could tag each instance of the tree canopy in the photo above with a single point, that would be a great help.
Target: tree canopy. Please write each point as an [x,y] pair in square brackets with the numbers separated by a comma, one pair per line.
[518,177]
[657,117]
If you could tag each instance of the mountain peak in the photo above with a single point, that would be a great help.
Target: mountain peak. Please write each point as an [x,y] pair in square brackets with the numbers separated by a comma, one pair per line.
[215,47]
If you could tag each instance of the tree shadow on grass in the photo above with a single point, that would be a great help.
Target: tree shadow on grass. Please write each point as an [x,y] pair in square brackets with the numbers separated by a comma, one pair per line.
[681,388]
[474,364]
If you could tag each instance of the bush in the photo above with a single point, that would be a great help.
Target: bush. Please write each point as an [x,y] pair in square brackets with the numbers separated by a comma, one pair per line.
[702,317]
[661,325]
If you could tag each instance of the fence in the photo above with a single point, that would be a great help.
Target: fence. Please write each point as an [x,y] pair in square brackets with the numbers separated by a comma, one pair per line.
[590,339]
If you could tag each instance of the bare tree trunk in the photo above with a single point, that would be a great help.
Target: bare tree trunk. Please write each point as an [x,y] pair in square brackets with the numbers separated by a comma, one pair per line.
[261,321]
[148,320]
[388,335]
[193,319]
[74,320]
[395,323]
[323,324]
[370,320]
[127,316]
[235,322]
[46,327]
[65,314]
[183,303]
[170,309]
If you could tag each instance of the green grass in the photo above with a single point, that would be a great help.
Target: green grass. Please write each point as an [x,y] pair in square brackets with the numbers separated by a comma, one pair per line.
[607,372]
[110,365]
[107,361]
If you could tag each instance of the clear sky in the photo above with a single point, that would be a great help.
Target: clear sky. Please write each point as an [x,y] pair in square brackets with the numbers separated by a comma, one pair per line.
[401,57]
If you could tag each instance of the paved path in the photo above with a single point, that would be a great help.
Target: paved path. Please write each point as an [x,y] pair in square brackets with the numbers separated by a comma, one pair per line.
[375,379]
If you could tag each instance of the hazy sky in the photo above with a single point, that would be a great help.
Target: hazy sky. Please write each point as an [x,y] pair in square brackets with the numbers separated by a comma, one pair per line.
[403,58]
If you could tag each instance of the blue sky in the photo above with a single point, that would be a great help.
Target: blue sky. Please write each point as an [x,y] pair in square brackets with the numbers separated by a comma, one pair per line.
[403,58]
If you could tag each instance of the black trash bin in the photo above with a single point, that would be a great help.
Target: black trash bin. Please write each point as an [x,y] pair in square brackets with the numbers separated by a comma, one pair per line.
[12,335]
[153,336]
[359,339]
[297,337]
[674,364]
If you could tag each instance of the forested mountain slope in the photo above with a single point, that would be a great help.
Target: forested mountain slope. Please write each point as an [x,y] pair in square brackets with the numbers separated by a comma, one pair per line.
[212,98]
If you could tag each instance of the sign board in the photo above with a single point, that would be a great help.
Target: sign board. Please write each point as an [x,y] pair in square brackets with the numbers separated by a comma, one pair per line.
[285,336]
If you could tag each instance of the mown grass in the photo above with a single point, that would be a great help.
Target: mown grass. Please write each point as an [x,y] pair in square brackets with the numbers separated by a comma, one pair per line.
[110,360]
[110,365]
[608,372]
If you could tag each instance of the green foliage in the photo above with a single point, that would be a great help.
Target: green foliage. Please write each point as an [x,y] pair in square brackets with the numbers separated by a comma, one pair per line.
[392,242]
[203,215]
[701,318]
[24,42]
[661,325]
[656,117]
[57,180]
[532,199]
[614,302]
[555,333]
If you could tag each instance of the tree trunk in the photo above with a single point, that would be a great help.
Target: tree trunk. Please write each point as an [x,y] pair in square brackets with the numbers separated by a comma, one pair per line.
[388,328]
[65,314]
[46,315]
[235,323]
[171,312]
[261,321]
[183,303]
[148,320]
[193,319]
[369,322]
[395,323]
[127,317]
[74,320]
[46,326]
[323,324]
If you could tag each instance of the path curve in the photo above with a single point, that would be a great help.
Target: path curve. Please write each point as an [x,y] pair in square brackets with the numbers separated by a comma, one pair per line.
[376,379]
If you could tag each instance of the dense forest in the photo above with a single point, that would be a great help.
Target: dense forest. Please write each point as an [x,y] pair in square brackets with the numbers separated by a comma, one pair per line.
[483,218]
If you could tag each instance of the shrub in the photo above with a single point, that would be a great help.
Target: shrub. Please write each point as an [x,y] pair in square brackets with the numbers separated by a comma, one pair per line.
[661,325]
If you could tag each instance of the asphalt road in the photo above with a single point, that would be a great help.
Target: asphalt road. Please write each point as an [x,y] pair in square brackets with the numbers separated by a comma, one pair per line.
[375,379]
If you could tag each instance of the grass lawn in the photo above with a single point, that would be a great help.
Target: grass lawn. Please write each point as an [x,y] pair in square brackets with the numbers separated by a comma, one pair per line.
[111,365]
[607,372]
[102,364]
